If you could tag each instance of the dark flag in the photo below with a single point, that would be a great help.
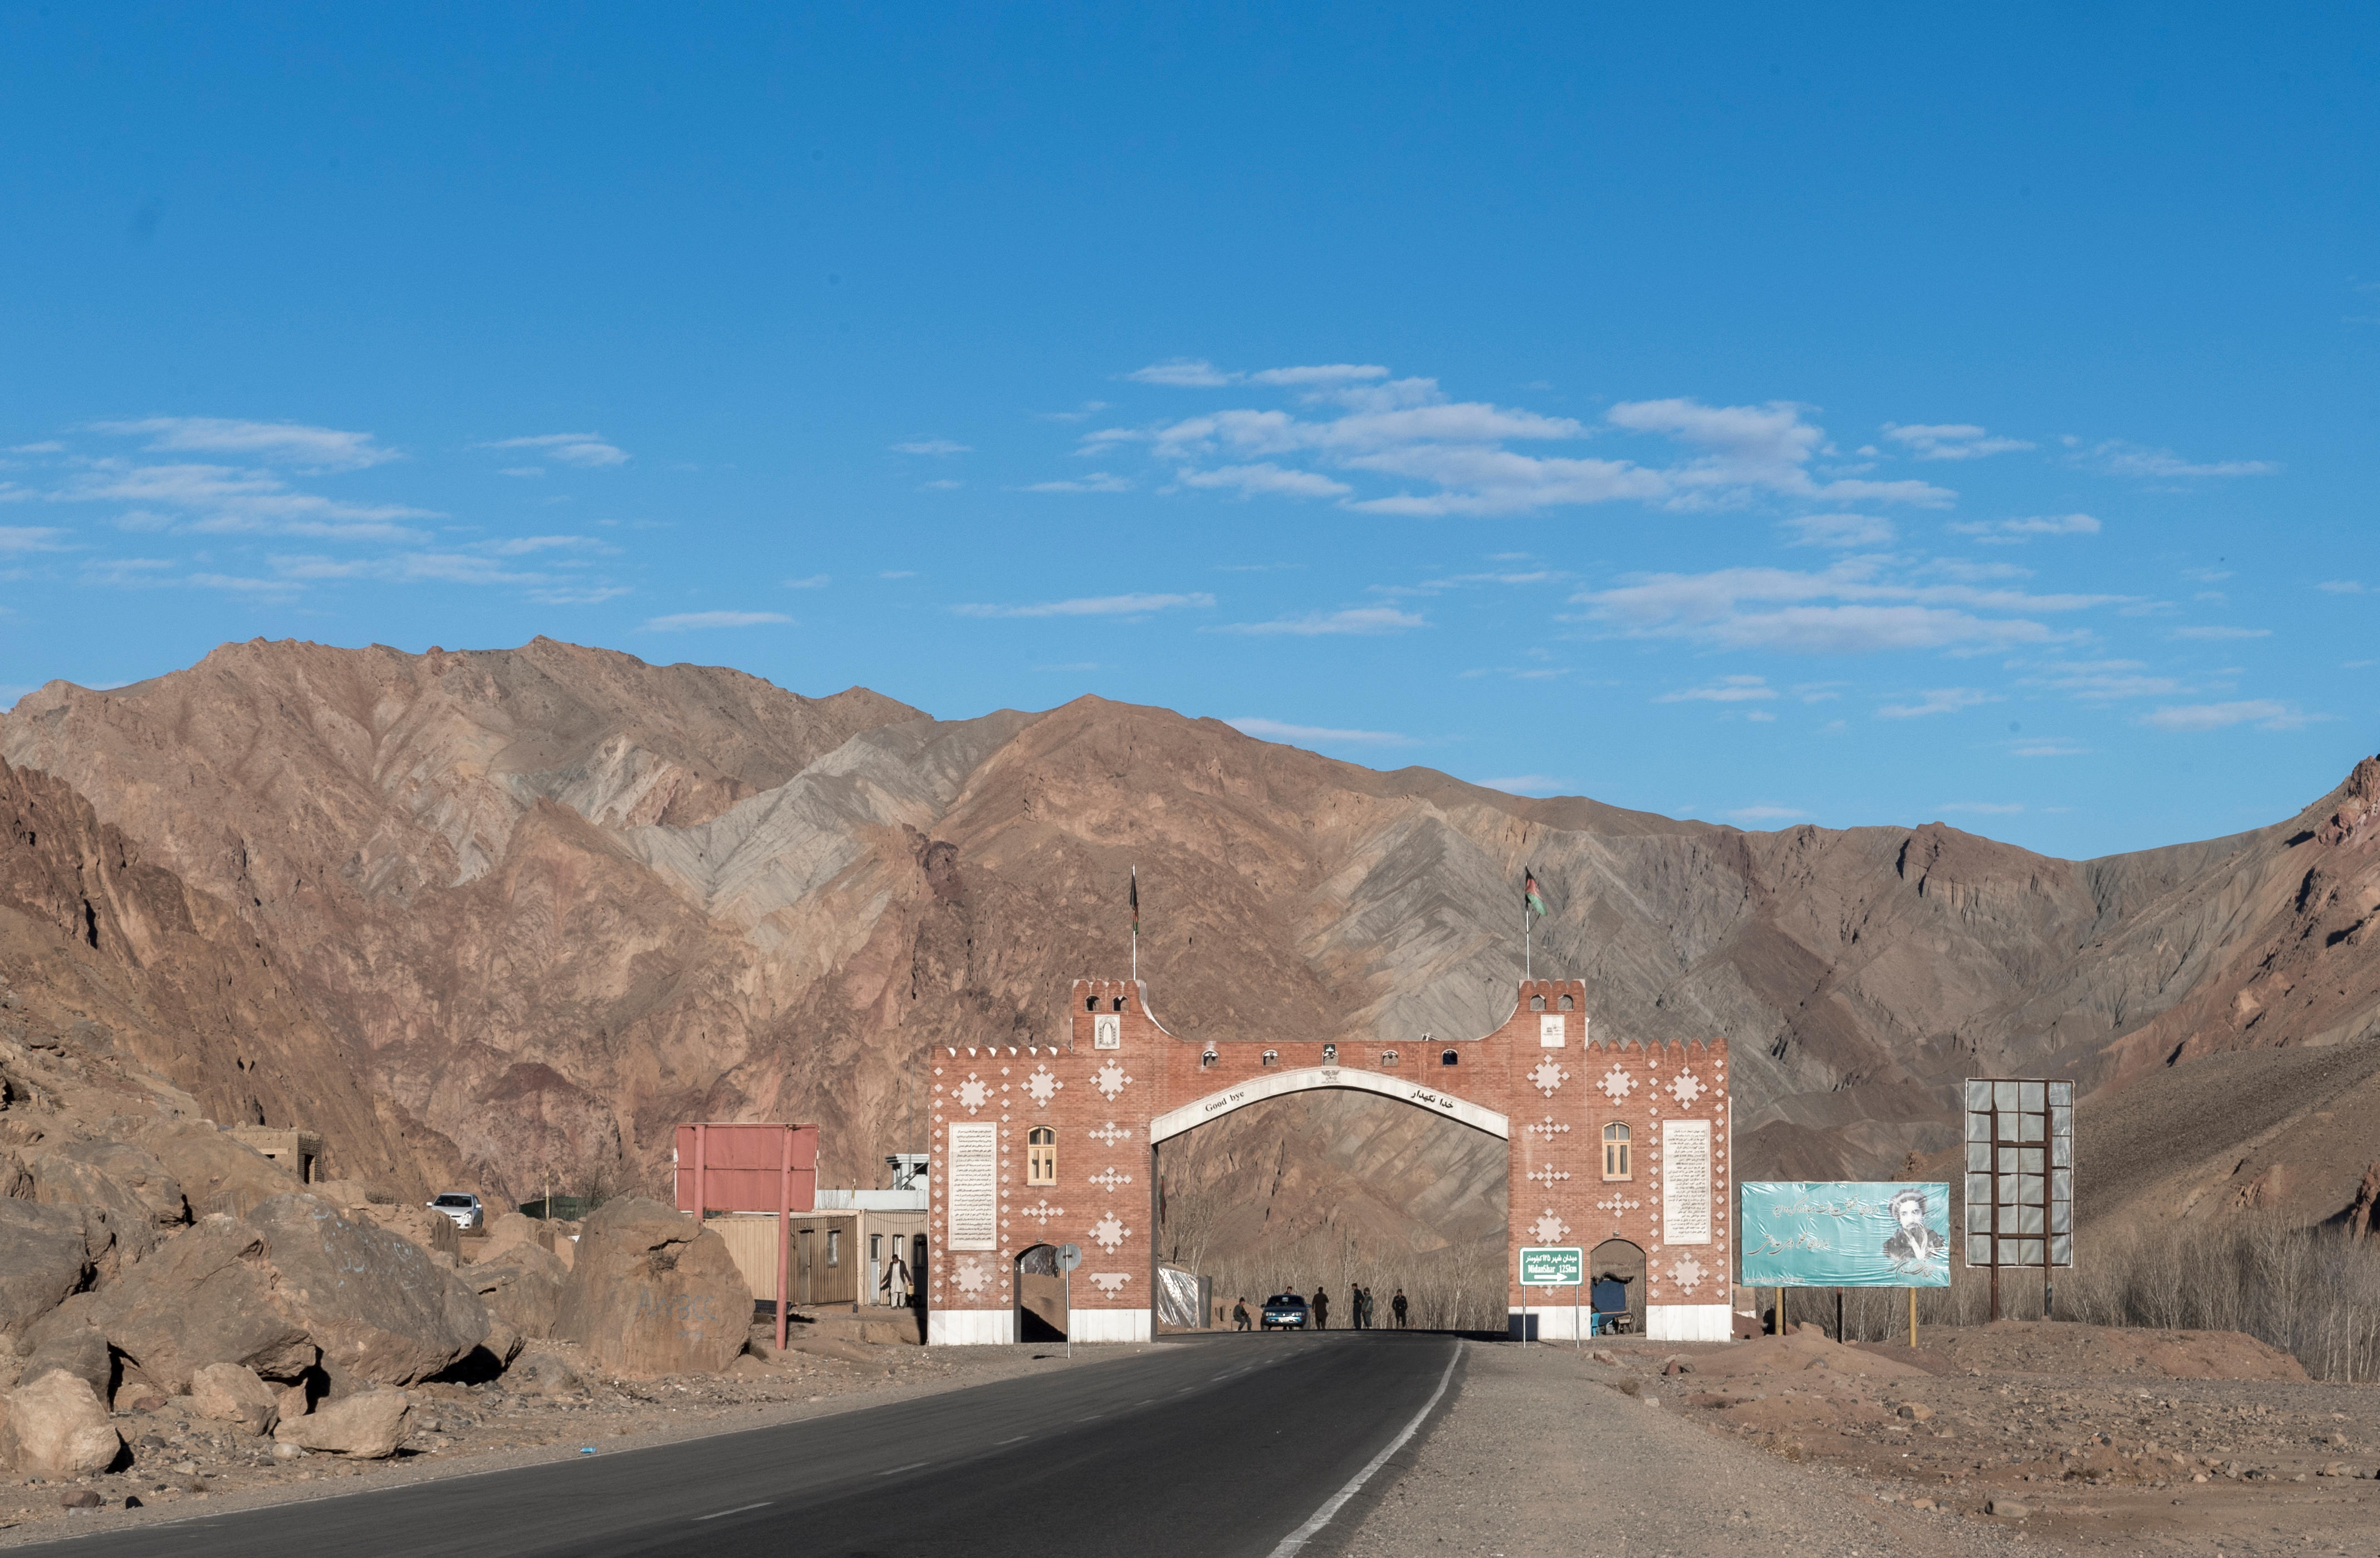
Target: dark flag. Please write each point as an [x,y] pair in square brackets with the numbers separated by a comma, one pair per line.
[1135,900]
[1530,899]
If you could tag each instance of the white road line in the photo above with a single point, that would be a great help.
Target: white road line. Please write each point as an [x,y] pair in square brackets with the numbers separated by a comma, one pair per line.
[899,1470]
[1018,1439]
[1298,1538]
[737,1510]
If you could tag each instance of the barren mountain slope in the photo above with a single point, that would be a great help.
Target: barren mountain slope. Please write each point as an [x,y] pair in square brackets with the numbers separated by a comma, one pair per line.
[107,954]
[525,883]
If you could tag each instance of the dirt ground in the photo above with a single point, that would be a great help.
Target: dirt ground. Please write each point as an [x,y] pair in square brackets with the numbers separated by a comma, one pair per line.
[177,1458]
[2147,1441]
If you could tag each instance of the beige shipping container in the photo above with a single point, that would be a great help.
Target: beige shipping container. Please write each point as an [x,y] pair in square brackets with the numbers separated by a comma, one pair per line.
[836,1257]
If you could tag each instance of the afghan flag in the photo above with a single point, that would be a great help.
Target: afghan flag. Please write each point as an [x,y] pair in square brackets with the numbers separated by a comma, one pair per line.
[1135,900]
[1530,899]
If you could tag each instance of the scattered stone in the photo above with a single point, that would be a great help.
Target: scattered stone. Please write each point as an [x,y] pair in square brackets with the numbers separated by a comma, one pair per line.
[1605,1355]
[652,1293]
[547,1373]
[231,1393]
[80,1498]
[285,1452]
[523,1287]
[368,1426]
[1915,1412]
[2005,1508]
[57,1427]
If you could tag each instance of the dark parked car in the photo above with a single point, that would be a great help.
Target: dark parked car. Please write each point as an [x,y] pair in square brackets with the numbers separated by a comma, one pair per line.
[1286,1311]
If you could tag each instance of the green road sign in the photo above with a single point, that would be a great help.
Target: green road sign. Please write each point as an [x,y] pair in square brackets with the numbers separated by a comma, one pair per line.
[1552,1265]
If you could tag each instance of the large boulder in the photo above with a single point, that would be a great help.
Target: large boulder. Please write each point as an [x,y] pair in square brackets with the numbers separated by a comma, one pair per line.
[653,1292]
[215,1171]
[523,1288]
[514,1228]
[150,1185]
[57,1427]
[210,1295]
[66,1180]
[230,1392]
[376,1304]
[368,1426]
[44,1255]
[433,1231]
[79,1350]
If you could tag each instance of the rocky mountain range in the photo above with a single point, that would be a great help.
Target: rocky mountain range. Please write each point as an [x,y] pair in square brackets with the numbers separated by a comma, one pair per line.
[500,916]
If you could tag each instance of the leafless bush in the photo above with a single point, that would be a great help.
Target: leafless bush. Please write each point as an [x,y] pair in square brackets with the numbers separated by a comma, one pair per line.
[2313,1294]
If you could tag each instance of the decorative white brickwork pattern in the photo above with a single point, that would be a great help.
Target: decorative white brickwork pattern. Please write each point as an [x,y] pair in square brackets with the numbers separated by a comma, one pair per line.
[972,1094]
[1108,1232]
[1042,1212]
[1110,1080]
[1546,1175]
[1546,1076]
[1041,1086]
[974,1276]
[1688,1273]
[1686,1089]
[1548,1129]
[1619,1203]
[1548,1228]
[1112,1134]
[1110,1283]
[1108,1180]
[1616,1083]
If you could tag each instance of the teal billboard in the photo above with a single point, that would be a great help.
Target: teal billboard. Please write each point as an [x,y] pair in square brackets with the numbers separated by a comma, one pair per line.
[1846,1233]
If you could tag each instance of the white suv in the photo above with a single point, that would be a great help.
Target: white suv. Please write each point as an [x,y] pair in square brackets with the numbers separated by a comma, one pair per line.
[460,1205]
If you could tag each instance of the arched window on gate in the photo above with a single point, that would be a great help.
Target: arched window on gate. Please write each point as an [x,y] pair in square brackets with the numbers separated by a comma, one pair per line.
[1536,1003]
[1615,1151]
[1041,1156]
[1567,1003]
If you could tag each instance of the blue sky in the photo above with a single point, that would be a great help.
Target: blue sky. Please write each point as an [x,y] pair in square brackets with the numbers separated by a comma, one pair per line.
[1868,418]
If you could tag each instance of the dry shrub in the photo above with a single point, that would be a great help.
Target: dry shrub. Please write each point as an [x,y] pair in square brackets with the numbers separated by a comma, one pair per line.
[1460,1288]
[2314,1294]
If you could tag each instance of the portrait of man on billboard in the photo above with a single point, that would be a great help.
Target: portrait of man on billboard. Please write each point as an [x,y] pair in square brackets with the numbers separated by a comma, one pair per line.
[1912,1244]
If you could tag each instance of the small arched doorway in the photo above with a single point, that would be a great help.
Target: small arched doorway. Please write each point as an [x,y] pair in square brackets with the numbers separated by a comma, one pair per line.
[1615,1276]
[1040,1296]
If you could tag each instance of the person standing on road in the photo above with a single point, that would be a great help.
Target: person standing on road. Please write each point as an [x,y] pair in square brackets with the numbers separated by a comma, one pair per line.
[1360,1302]
[1369,1305]
[1397,1306]
[1240,1315]
[1322,1310]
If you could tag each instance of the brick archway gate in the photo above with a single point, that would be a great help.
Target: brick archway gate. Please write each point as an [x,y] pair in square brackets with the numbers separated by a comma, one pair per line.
[1111,1084]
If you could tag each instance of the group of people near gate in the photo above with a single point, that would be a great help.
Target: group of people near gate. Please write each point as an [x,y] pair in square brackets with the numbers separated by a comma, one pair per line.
[1359,1297]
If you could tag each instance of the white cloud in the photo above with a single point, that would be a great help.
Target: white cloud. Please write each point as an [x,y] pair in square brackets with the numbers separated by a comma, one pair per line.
[898,573]
[1454,451]
[932,447]
[1089,408]
[1095,605]
[1525,784]
[681,620]
[1987,808]
[29,538]
[1951,441]
[1326,373]
[1853,607]
[1939,701]
[1097,481]
[47,447]
[522,471]
[1760,716]
[1274,730]
[944,485]
[1267,476]
[2341,586]
[1842,529]
[1359,620]
[2220,634]
[2119,459]
[2262,713]
[816,581]
[577,594]
[585,449]
[216,499]
[2100,681]
[1727,690]
[521,546]
[1182,372]
[309,448]
[1766,814]
[2010,532]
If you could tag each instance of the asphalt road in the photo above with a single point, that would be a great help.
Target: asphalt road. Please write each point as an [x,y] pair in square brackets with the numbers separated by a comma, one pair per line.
[1218,1447]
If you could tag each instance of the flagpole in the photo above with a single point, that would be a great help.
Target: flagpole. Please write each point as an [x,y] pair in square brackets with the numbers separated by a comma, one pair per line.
[1136,924]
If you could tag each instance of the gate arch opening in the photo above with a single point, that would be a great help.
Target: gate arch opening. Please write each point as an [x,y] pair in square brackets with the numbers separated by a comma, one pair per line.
[1040,1294]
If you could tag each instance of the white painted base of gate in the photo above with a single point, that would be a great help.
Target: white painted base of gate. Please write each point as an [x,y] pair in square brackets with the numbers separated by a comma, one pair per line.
[1107,1325]
[1548,1322]
[970,1328]
[1689,1322]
